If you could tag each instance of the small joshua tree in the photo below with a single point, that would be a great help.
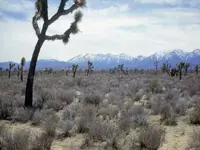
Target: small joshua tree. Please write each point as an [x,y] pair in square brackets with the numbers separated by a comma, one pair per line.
[18,71]
[180,67]
[186,66]
[121,68]
[42,13]
[90,67]
[156,65]
[197,69]
[74,69]
[11,65]
[166,68]
[23,61]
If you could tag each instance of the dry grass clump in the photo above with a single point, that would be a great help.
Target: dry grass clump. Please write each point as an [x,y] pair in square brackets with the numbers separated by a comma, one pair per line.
[194,114]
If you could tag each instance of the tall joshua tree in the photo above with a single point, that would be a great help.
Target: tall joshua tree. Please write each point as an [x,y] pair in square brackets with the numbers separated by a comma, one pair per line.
[42,13]
[156,62]
[74,69]
[11,65]
[23,60]
[180,67]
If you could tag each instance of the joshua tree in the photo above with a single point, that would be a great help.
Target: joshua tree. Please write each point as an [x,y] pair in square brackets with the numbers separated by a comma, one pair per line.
[18,71]
[156,65]
[90,67]
[180,67]
[186,66]
[74,69]
[121,68]
[11,65]
[42,13]
[23,61]
[197,69]
[166,68]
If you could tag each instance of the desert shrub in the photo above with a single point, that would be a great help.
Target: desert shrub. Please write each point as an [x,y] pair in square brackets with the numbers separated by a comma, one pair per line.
[42,95]
[66,127]
[194,116]
[92,99]
[181,107]
[110,110]
[168,116]
[192,84]
[5,107]
[65,96]
[194,141]
[155,104]
[104,132]
[17,140]
[53,104]
[155,86]
[135,116]
[85,118]
[68,113]
[41,142]
[39,115]
[151,137]
[49,124]
[22,114]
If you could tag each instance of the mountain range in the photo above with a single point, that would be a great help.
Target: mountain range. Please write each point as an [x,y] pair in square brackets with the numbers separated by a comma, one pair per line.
[106,61]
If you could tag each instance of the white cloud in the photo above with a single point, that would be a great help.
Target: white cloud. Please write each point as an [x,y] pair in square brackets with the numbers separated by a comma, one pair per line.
[110,30]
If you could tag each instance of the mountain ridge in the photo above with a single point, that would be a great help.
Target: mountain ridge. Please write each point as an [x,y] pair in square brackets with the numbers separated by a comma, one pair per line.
[109,60]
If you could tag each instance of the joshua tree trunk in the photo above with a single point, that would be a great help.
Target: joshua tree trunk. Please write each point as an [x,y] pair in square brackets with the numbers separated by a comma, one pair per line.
[22,73]
[180,74]
[31,73]
[9,73]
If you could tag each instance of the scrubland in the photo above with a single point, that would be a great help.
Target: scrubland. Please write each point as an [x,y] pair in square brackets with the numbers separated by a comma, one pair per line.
[122,112]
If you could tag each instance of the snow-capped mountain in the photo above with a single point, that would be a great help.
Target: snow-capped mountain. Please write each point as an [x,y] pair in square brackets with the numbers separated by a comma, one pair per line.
[109,60]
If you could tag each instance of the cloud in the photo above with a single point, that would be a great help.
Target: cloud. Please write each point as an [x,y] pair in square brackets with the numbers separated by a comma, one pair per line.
[112,29]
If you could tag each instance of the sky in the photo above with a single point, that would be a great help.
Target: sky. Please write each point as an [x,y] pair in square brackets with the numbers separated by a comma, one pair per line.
[134,27]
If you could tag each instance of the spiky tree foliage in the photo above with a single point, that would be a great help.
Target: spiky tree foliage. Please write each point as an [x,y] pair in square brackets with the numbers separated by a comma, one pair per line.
[11,65]
[197,69]
[186,66]
[74,69]
[90,67]
[42,14]
[180,68]
[23,61]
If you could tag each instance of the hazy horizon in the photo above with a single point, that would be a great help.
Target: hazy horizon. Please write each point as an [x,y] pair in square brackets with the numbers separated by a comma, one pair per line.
[139,27]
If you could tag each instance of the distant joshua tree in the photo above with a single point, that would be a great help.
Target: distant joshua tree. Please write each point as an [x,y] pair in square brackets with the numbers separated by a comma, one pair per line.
[42,13]
[90,67]
[186,66]
[156,62]
[23,61]
[74,69]
[197,69]
[11,65]
[180,67]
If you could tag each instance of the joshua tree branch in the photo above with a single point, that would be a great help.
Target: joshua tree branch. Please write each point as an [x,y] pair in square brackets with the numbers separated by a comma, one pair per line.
[35,24]
[62,12]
